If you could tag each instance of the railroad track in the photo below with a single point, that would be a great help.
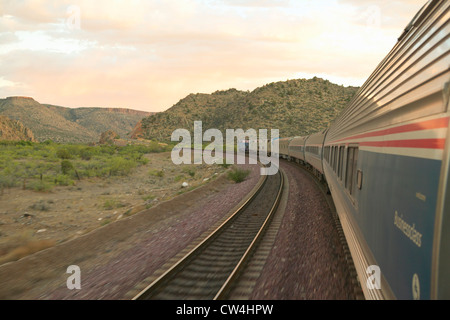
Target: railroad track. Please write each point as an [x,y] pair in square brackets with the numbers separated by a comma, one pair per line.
[210,269]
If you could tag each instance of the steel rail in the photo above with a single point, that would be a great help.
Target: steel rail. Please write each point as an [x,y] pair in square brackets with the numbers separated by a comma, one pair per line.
[224,291]
[158,284]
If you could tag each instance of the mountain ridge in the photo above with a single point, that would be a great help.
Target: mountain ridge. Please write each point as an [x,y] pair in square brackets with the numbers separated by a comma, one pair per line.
[295,107]
[69,125]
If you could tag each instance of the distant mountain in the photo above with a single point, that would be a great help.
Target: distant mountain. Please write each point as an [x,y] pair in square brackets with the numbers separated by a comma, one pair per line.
[14,130]
[295,107]
[69,125]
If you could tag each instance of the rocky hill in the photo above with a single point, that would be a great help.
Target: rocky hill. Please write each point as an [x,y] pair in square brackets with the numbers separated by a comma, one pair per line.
[295,107]
[14,130]
[69,125]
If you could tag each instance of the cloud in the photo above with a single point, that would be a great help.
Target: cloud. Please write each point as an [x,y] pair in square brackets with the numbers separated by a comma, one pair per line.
[149,54]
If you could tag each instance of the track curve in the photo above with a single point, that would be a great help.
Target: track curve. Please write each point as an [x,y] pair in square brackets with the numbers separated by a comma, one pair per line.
[206,272]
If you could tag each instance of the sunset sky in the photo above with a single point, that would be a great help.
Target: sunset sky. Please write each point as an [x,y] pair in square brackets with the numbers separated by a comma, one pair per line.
[147,55]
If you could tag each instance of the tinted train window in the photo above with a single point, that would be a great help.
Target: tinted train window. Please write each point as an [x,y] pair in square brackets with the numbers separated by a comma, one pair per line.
[335,155]
[338,161]
[341,161]
[352,159]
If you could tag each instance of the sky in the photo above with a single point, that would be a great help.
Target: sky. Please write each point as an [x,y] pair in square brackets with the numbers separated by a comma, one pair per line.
[147,55]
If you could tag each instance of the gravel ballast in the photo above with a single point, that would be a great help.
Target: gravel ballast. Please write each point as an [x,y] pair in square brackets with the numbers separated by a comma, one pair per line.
[307,260]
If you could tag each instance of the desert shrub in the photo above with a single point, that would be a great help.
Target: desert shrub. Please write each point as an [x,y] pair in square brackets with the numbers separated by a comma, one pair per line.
[24,143]
[238,175]
[189,171]
[110,204]
[41,206]
[66,166]
[64,180]
[40,185]
[86,153]
[178,178]
[63,153]
[156,173]
[9,177]
[149,197]
[120,167]
[93,168]
[107,149]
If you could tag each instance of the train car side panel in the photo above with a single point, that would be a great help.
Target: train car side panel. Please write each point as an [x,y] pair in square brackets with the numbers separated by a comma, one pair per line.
[391,144]
[297,149]
[314,150]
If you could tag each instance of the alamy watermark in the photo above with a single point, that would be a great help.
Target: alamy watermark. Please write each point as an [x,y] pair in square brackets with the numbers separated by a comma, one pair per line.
[73,21]
[372,16]
[374,279]
[257,145]
[74,280]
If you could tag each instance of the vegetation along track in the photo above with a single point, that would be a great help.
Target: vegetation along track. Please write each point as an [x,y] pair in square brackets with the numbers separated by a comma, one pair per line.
[210,268]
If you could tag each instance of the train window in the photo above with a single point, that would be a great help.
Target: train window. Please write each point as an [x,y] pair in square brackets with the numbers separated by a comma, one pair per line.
[331,156]
[335,155]
[337,161]
[348,178]
[355,161]
[338,165]
[333,150]
[341,161]
[352,159]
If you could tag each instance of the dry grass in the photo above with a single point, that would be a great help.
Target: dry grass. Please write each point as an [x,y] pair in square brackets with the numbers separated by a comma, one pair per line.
[26,249]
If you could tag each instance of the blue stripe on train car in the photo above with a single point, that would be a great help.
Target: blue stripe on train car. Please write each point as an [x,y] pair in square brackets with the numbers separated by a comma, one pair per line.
[396,213]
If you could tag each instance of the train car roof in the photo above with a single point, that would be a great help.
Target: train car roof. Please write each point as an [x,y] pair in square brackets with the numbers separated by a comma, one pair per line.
[419,17]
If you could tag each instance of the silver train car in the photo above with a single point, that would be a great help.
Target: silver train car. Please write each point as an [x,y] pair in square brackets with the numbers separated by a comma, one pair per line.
[283,145]
[314,152]
[386,162]
[296,149]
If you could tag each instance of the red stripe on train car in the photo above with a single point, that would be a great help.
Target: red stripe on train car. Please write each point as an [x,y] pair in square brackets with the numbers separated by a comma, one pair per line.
[413,143]
[425,125]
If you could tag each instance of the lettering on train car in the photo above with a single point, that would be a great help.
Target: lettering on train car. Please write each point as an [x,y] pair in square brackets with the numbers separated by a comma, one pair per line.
[409,230]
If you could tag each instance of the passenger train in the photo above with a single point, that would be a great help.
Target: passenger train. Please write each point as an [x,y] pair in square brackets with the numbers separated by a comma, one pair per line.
[386,162]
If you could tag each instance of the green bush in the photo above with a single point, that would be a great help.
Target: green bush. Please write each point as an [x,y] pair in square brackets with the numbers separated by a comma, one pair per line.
[120,167]
[86,153]
[156,173]
[63,180]
[110,204]
[63,154]
[39,185]
[238,175]
[66,166]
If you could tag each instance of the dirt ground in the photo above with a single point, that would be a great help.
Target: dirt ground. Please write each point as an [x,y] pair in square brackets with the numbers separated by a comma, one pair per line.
[117,257]
[31,221]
